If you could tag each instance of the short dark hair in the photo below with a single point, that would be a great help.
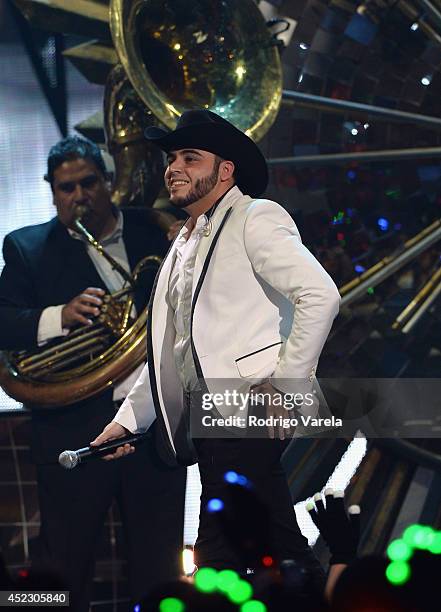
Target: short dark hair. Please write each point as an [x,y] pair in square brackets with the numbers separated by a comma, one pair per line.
[217,162]
[71,148]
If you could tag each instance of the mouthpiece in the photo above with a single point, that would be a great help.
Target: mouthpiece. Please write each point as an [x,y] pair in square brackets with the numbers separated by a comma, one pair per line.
[81,210]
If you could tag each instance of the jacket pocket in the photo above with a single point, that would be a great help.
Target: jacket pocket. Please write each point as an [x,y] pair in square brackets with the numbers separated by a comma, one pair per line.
[253,363]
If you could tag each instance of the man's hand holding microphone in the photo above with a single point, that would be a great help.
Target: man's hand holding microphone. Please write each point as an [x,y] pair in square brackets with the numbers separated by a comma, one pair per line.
[114,431]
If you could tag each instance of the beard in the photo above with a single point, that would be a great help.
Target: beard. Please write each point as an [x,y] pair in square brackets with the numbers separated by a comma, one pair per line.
[202,188]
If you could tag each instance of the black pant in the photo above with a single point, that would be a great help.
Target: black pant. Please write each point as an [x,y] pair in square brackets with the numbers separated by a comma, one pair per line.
[74,505]
[259,461]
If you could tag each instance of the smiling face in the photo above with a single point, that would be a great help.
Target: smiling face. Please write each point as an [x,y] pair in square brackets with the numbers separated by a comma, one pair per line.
[79,181]
[194,175]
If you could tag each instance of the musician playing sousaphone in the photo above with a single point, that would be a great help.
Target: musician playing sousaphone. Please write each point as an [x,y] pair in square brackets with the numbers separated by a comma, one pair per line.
[53,287]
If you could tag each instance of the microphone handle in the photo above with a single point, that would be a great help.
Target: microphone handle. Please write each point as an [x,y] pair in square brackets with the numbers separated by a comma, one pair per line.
[111,445]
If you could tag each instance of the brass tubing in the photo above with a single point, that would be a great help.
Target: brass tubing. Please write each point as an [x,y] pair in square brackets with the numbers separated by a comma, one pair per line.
[418,300]
[55,349]
[98,247]
[61,355]
[391,264]
[119,294]
[76,357]
[422,309]
[78,331]
[136,333]
[147,261]
[386,508]
[126,314]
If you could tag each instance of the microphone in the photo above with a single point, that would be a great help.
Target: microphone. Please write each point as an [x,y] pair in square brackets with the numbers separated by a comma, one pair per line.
[70,459]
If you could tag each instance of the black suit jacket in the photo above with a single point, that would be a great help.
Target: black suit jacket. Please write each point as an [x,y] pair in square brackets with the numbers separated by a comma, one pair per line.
[45,266]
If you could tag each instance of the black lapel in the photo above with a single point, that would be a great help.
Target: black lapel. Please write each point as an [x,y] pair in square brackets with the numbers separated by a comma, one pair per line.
[196,295]
[169,453]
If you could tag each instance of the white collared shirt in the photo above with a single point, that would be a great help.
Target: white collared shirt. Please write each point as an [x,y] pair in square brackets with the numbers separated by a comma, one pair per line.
[50,325]
[180,295]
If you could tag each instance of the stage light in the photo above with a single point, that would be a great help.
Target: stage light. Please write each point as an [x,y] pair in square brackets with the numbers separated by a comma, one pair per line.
[242,480]
[240,592]
[354,131]
[235,478]
[300,78]
[410,533]
[383,224]
[366,125]
[226,579]
[398,572]
[205,580]
[137,608]
[426,80]
[240,72]
[267,561]
[303,46]
[215,505]
[423,537]
[399,550]
[351,174]
[414,27]
[188,561]
[435,545]
[359,269]
[171,604]
[253,606]
[338,218]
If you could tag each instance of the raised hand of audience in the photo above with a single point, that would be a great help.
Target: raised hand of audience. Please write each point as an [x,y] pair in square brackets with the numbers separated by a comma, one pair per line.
[339,529]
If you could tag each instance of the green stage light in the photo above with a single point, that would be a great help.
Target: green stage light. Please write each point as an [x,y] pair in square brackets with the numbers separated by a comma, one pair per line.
[398,550]
[410,534]
[423,537]
[435,545]
[226,579]
[240,592]
[205,580]
[171,604]
[398,572]
[253,606]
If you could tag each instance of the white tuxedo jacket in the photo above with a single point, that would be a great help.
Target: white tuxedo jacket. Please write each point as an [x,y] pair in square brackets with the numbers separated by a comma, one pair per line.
[262,308]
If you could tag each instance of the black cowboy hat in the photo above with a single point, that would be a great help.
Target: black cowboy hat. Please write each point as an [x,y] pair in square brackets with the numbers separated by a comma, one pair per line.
[202,129]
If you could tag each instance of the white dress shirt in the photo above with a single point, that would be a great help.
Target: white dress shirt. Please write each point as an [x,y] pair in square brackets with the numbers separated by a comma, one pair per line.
[180,294]
[50,325]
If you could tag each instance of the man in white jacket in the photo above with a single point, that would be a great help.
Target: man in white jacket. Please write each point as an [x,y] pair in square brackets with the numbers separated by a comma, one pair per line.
[238,303]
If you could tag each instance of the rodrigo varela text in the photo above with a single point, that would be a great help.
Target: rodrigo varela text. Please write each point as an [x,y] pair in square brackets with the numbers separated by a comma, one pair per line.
[270,421]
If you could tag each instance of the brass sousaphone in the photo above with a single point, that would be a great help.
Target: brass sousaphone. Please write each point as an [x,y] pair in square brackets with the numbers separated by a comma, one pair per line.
[214,54]
[177,55]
